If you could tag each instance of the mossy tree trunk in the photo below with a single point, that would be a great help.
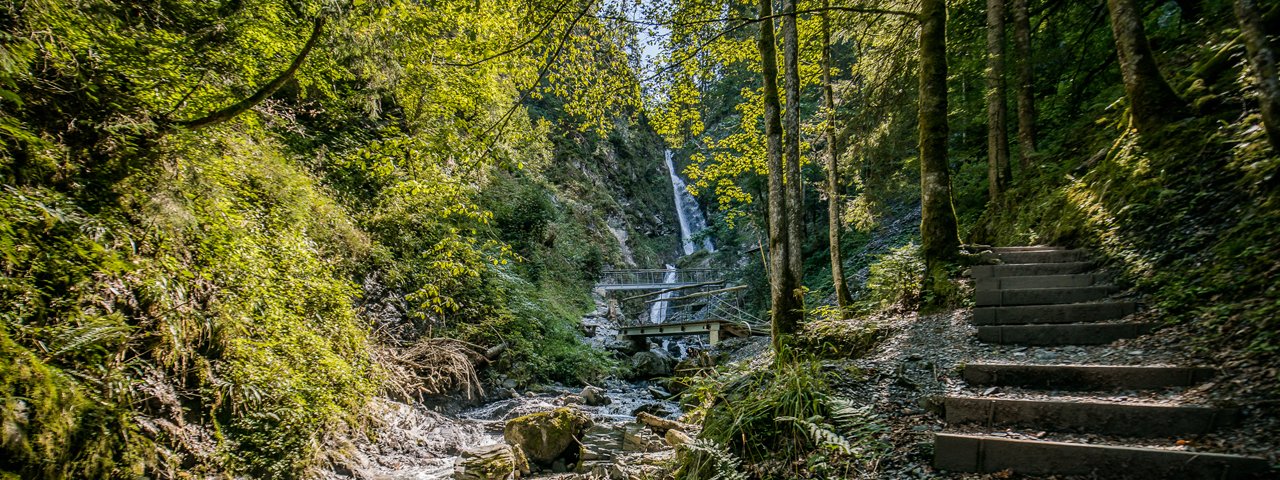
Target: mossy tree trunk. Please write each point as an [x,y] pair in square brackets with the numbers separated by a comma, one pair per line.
[784,311]
[1026,79]
[843,298]
[938,232]
[1262,60]
[998,171]
[1152,103]
[791,148]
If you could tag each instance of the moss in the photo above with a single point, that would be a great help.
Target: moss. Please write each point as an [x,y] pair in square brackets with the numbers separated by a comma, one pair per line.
[546,436]
[1189,220]
[50,428]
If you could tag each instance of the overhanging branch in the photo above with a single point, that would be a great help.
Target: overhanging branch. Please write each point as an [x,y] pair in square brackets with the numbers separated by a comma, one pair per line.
[240,107]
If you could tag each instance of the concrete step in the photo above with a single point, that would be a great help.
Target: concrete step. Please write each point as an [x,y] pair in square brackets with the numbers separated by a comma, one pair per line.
[1132,419]
[1084,377]
[1041,281]
[1042,296]
[1036,314]
[1027,269]
[981,454]
[1039,256]
[1075,334]
[1027,248]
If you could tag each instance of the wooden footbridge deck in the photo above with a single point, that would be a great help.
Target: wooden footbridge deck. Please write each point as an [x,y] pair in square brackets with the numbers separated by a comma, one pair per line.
[713,314]
[715,329]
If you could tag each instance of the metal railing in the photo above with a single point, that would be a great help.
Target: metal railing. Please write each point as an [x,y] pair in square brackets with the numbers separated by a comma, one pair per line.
[718,307]
[657,276]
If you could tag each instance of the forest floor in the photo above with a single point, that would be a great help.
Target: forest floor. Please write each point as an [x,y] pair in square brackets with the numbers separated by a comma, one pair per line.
[922,358]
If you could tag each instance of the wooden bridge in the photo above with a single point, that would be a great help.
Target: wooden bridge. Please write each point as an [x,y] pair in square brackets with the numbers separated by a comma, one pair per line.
[658,279]
[715,318]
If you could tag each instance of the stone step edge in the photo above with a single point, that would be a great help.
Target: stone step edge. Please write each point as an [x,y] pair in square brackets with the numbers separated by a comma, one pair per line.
[1053,334]
[1083,312]
[1029,257]
[1066,280]
[1120,418]
[1016,269]
[1010,297]
[1084,377]
[982,454]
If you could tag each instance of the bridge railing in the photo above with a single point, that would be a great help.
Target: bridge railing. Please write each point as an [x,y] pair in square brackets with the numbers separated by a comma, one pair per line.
[719,307]
[657,276]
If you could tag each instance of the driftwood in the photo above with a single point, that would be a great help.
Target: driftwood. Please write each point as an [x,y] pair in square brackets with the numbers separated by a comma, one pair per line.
[434,366]
[661,425]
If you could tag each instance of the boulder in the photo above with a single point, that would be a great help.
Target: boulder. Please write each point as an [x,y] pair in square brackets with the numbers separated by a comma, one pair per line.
[595,396]
[546,436]
[493,462]
[649,364]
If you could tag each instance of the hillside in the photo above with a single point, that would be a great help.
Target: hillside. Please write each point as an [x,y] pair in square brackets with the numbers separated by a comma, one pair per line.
[356,239]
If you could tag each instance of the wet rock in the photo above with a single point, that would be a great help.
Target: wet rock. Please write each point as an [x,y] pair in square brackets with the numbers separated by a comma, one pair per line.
[650,364]
[545,436]
[659,393]
[494,462]
[571,400]
[637,438]
[595,396]
[654,409]
[600,442]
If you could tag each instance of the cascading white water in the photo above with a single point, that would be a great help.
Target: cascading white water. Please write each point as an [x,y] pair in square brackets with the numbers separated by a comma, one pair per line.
[691,220]
[658,311]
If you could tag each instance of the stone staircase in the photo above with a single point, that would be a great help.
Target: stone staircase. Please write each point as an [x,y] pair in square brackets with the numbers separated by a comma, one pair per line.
[1045,297]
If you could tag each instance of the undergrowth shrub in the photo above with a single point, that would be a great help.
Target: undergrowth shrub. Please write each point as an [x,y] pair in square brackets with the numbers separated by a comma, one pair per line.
[774,419]
[831,335]
[896,279]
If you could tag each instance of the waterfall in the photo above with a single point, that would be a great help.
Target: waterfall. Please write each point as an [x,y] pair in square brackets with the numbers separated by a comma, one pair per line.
[658,311]
[691,220]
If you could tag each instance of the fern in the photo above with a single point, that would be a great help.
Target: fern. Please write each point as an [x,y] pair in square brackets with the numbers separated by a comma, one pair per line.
[822,434]
[710,460]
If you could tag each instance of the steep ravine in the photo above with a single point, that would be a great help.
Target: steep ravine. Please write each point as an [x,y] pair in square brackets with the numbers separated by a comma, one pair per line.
[412,441]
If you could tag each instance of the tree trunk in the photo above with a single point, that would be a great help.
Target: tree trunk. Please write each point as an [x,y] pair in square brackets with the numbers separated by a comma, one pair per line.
[843,298]
[1152,103]
[1026,78]
[1262,59]
[781,283]
[998,171]
[938,232]
[791,149]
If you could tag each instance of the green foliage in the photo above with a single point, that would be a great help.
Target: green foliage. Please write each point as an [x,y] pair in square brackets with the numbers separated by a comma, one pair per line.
[832,335]
[771,418]
[1156,213]
[896,278]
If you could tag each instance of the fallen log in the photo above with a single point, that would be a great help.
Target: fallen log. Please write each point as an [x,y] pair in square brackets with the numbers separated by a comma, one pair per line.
[661,425]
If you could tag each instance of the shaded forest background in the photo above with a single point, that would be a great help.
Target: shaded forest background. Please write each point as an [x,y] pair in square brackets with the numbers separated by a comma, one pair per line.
[224,222]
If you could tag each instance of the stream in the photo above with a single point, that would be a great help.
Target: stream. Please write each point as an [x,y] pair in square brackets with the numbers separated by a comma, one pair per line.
[414,442]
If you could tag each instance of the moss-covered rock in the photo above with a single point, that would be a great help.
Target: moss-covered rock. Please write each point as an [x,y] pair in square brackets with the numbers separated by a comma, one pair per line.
[493,462]
[546,436]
